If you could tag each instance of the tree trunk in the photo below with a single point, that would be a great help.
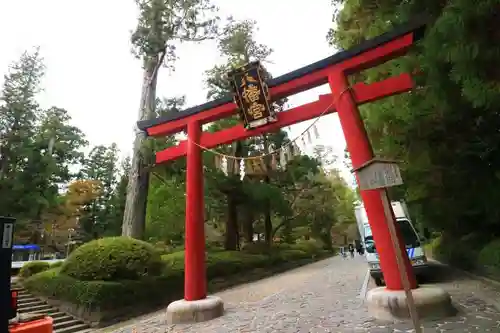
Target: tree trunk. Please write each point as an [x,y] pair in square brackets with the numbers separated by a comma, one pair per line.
[134,215]
[268,223]
[231,235]
[248,225]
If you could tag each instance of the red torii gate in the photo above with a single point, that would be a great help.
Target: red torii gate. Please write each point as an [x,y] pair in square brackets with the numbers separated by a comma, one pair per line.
[343,99]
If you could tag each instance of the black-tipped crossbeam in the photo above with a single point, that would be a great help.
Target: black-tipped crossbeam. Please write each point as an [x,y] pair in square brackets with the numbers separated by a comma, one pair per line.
[416,26]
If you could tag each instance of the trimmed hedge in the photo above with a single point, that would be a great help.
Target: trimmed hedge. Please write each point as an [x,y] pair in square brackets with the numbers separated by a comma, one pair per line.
[32,268]
[56,264]
[490,254]
[310,246]
[466,257]
[112,259]
[488,260]
[150,291]
[102,295]
[472,255]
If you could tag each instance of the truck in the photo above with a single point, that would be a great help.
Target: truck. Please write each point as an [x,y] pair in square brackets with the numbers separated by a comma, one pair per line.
[410,235]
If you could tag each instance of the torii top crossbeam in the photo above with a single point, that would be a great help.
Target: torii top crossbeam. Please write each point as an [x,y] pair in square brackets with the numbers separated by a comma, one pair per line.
[366,55]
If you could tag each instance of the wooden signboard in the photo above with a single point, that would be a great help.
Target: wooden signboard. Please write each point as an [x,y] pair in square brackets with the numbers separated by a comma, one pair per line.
[379,173]
[251,94]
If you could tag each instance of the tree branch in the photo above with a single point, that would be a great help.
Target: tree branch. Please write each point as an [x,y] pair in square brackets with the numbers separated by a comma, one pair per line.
[159,177]
[157,66]
[198,39]
[282,224]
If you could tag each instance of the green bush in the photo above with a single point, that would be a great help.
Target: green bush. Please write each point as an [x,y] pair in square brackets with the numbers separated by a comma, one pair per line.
[284,246]
[311,247]
[488,259]
[56,264]
[432,248]
[174,260]
[32,268]
[490,254]
[294,254]
[112,259]
[220,263]
[444,248]
[162,248]
[211,246]
[106,295]
[147,291]
[256,248]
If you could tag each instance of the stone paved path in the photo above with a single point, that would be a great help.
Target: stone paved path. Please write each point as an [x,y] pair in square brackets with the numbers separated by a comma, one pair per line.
[325,297]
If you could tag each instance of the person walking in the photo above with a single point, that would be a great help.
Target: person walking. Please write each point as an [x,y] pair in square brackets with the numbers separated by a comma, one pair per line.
[351,250]
[343,252]
[359,248]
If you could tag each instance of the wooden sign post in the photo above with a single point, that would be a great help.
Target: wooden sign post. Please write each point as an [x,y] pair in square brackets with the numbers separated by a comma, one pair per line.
[381,174]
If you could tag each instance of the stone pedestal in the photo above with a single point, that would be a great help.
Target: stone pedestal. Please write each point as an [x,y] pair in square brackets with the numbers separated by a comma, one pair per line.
[389,305]
[182,311]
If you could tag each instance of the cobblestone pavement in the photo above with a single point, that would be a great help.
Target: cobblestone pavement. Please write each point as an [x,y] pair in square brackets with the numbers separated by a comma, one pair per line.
[327,297]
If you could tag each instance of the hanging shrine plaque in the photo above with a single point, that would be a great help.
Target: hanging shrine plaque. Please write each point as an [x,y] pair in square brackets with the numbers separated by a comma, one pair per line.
[251,94]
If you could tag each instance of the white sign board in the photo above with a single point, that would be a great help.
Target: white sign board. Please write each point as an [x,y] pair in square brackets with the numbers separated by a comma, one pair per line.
[8,229]
[379,175]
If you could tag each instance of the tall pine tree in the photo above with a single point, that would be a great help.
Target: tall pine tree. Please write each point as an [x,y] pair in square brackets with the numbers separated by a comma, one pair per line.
[19,113]
[161,24]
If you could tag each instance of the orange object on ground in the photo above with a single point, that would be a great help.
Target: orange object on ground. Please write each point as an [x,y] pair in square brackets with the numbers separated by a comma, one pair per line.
[43,325]
[13,303]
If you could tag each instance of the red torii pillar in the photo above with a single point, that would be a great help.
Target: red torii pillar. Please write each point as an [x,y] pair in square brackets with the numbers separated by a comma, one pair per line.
[196,305]
[195,282]
[361,151]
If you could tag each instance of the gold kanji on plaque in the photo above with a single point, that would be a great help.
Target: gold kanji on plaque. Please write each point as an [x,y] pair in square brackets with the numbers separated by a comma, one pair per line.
[256,110]
[251,94]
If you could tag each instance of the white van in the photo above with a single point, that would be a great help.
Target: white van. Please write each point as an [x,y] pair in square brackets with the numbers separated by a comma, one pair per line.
[411,238]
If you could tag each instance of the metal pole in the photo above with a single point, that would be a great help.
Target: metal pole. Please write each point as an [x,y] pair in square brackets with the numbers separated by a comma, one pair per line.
[68,245]
[6,237]
[399,259]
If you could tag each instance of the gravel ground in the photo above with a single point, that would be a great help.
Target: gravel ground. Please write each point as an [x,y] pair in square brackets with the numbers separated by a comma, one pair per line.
[327,296]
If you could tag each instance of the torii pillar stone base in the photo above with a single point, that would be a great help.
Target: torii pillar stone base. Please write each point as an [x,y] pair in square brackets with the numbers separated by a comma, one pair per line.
[184,312]
[432,302]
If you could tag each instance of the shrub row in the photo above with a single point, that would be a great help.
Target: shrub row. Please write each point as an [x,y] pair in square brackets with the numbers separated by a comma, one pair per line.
[102,295]
[35,267]
[32,268]
[488,260]
[474,255]
[147,290]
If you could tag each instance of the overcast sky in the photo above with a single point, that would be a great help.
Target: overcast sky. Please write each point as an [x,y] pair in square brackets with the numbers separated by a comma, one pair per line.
[92,74]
